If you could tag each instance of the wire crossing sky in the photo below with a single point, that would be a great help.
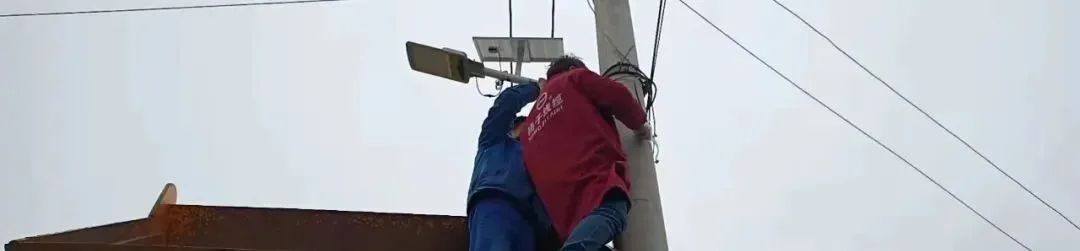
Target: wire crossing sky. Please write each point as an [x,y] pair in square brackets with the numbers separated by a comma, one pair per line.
[852,124]
[931,118]
[314,106]
[162,8]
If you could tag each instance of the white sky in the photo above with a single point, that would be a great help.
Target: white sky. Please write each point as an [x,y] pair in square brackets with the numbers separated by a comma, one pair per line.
[314,106]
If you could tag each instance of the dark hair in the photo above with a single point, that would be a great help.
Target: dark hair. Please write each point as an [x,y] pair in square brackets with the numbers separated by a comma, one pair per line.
[517,121]
[564,63]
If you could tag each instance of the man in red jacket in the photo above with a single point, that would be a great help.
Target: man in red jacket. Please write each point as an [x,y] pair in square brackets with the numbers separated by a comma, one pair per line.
[573,154]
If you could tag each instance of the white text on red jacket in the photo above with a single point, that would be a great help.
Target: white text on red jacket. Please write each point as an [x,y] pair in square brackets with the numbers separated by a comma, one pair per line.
[547,108]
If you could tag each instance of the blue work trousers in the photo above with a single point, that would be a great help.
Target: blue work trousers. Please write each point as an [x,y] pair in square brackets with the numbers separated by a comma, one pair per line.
[599,227]
[496,225]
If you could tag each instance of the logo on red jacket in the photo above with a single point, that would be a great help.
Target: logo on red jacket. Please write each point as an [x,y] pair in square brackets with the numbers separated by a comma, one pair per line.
[545,109]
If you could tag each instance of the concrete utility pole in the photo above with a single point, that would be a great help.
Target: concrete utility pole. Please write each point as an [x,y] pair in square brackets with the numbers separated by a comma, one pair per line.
[615,38]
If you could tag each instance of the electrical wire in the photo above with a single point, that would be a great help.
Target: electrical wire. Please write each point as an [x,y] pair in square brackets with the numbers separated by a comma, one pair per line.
[624,55]
[477,84]
[624,61]
[853,125]
[510,16]
[510,11]
[498,83]
[552,18]
[622,71]
[926,114]
[662,9]
[651,113]
[162,8]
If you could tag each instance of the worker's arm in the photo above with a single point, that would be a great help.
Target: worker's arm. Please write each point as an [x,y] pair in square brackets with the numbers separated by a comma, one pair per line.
[612,97]
[501,115]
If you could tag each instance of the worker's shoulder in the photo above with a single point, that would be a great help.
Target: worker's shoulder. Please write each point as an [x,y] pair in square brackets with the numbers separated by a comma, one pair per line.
[573,76]
[577,72]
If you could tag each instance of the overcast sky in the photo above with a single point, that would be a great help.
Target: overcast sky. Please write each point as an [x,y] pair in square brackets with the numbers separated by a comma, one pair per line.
[314,106]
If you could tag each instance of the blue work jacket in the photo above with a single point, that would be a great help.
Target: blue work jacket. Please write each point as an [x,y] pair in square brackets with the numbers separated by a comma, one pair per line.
[499,169]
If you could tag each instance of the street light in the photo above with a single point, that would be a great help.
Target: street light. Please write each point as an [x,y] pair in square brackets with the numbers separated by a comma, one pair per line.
[453,65]
[449,64]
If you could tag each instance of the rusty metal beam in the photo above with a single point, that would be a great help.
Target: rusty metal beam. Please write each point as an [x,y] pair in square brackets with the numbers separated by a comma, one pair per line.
[198,228]
[104,234]
[297,229]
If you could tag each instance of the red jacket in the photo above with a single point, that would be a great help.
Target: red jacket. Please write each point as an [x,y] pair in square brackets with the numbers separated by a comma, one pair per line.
[572,149]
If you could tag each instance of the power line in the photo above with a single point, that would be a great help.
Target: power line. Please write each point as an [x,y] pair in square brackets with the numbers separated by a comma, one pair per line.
[510,25]
[552,18]
[161,8]
[852,124]
[938,123]
[625,55]
[622,71]
[625,69]
[510,12]
[655,53]
[661,10]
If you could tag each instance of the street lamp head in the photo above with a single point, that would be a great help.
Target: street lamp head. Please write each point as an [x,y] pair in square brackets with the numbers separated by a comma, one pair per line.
[453,65]
[449,64]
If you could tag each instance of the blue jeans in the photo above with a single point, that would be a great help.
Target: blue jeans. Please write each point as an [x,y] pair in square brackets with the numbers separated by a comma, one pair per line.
[599,227]
[495,225]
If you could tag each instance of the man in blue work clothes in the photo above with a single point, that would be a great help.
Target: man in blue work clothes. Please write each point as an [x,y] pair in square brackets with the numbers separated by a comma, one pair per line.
[503,208]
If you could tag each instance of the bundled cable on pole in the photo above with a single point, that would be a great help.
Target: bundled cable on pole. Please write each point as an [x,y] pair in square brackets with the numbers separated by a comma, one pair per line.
[623,70]
[856,127]
[623,67]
